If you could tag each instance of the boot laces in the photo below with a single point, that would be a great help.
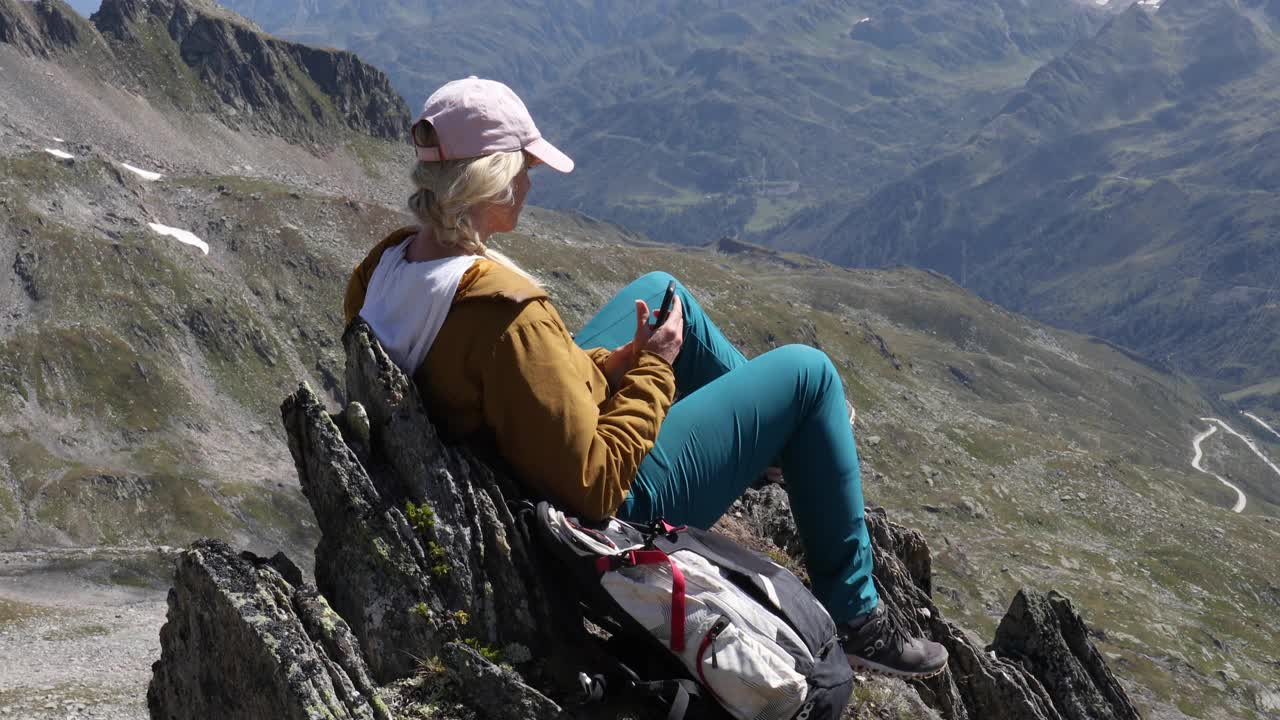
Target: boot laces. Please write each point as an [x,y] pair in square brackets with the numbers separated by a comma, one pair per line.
[890,633]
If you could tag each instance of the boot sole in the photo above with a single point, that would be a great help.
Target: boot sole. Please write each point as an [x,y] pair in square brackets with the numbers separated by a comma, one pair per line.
[859,664]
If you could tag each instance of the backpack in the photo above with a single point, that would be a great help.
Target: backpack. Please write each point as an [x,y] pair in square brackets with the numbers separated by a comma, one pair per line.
[745,630]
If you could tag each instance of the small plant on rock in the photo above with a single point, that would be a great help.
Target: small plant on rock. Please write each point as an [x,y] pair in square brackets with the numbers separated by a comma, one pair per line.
[491,654]
[421,517]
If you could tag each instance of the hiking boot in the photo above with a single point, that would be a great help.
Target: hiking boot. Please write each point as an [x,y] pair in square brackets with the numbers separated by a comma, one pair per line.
[874,642]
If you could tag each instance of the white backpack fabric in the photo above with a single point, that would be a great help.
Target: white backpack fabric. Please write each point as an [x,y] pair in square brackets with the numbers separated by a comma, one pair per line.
[745,629]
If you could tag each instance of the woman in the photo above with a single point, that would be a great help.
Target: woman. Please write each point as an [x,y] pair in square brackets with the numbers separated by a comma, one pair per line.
[595,429]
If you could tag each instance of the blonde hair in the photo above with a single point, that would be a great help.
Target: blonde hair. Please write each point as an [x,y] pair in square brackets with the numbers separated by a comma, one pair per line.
[447,191]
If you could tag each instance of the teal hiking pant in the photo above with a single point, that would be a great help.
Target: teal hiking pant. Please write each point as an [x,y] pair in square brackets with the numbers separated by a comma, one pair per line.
[733,419]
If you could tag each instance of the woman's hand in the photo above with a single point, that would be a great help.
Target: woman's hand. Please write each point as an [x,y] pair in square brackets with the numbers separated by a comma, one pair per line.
[664,340]
[618,363]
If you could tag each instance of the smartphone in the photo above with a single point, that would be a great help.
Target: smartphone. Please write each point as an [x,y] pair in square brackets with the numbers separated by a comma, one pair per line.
[666,304]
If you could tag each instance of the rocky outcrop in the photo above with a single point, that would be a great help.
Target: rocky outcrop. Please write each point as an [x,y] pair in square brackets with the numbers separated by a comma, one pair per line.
[1046,635]
[420,549]
[246,638]
[42,28]
[204,58]
[439,595]
[1041,667]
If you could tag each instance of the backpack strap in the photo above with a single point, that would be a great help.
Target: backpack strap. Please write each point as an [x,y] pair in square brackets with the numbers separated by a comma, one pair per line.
[633,558]
[675,693]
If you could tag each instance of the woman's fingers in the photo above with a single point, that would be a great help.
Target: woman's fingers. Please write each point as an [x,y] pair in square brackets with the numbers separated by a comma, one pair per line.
[642,315]
[667,339]
[674,324]
[677,311]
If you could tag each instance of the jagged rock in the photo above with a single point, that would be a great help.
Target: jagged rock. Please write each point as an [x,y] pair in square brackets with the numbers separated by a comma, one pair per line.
[240,641]
[370,563]
[234,70]
[497,692]
[460,568]
[977,684]
[205,58]
[1046,635]
[41,28]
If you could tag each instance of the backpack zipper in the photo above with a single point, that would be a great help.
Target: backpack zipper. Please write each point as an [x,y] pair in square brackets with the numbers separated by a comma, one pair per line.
[710,642]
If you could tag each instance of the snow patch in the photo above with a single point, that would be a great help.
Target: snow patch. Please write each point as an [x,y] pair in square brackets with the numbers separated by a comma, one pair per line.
[182,236]
[144,174]
[863,20]
[60,154]
[57,139]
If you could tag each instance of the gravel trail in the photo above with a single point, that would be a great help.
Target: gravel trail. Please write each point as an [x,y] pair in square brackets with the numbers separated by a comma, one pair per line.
[71,645]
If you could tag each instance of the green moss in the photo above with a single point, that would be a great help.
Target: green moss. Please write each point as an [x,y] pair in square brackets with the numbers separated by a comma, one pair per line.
[159,59]
[986,447]
[34,169]
[422,611]
[440,570]
[461,617]
[89,372]
[371,153]
[491,654]
[380,547]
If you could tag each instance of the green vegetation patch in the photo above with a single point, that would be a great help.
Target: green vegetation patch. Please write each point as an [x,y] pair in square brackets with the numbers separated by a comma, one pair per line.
[84,372]
[76,632]
[107,507]
[13,612]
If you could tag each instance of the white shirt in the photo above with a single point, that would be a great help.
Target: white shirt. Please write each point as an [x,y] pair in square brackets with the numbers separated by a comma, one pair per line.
[407,302]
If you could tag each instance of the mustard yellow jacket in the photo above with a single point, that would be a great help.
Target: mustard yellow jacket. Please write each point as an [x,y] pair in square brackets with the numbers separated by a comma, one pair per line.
[505,364]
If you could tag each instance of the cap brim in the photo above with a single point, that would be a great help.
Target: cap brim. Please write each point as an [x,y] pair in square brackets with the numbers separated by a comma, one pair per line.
[550,155]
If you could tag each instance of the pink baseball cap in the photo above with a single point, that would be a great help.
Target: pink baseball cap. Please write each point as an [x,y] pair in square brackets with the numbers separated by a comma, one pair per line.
[474,118]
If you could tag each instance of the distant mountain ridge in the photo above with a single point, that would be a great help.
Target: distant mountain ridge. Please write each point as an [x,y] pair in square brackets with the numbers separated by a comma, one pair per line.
[202,58]
[1128,191]
[695,119]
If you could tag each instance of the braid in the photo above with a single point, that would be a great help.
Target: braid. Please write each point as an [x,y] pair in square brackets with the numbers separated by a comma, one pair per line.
[446,192]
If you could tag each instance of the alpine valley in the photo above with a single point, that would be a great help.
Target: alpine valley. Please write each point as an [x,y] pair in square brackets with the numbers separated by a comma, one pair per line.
[183,195]
[1107,168]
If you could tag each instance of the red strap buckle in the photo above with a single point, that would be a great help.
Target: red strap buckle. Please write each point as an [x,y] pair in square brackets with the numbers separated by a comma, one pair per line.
[632,558]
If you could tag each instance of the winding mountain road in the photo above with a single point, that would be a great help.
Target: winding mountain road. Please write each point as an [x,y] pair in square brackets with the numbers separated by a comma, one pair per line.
[1195,463]
[1261,422]
[1199,454]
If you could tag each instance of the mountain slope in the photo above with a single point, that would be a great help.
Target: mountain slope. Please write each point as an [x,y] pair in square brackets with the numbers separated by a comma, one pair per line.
[1126,191]
[142,378]
[123,355]
[200,58]
[691,120]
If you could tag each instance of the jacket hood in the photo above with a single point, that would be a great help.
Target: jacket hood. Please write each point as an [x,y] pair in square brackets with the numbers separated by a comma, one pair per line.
[487,280]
